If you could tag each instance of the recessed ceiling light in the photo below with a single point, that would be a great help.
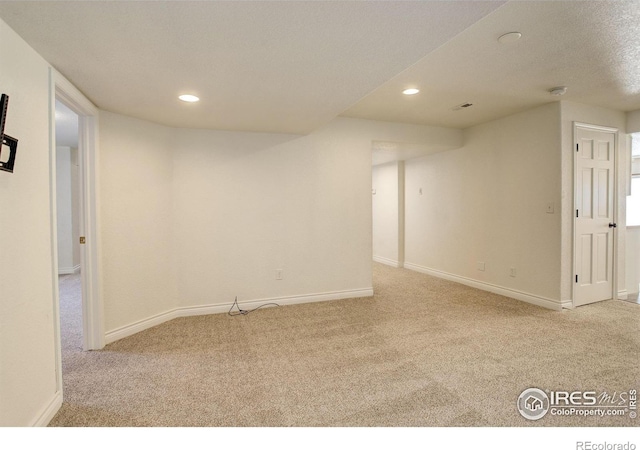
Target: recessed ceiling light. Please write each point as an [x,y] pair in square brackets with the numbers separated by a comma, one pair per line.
[189,98]
[411,91]
[510,37]
[560,90]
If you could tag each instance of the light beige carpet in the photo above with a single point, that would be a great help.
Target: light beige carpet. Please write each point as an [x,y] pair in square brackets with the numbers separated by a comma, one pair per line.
[422,352]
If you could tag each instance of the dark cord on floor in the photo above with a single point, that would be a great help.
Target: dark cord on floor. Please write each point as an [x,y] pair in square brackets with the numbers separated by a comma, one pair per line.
[244,312]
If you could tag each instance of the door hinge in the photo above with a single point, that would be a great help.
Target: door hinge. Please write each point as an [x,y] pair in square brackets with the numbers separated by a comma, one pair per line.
[576,213]
[576,278]
[82,239]
[577,147]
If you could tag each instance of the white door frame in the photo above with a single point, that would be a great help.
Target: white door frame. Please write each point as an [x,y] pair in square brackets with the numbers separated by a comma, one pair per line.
[576,125]
[92,309]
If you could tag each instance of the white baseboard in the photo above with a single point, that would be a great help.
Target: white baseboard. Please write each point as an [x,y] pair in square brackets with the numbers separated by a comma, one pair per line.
[387,261]
[141,325]
[507,292]
[68,270]
[567,304]
[623,295]
[50,410]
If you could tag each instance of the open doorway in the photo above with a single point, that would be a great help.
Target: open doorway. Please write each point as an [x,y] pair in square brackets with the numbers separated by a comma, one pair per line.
[85,116]
[388,213]
[68,190]
[633,224]
[388,197]
[86,331]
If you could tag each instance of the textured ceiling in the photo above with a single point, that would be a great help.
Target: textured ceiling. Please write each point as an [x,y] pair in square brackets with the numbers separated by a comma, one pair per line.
[290,67]
[593,48]
[257,66]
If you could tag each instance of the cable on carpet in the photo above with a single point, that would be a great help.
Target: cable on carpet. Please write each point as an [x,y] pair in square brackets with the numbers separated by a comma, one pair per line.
[244,312]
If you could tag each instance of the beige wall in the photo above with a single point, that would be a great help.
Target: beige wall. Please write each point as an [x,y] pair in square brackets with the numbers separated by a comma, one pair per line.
[75,206]
[196,217]
[517,165]
[633,121]
[633,260]
[486,202]
[67,204]
[27,337]
[138,264]
[247,204]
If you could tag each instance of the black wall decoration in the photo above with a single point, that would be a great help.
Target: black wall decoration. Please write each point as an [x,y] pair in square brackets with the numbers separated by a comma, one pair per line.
[6,161]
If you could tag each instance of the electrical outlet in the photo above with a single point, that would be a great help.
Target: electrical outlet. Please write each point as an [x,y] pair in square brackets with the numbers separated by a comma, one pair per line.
[512,272]
[481,266]
[550,208]
[278,274]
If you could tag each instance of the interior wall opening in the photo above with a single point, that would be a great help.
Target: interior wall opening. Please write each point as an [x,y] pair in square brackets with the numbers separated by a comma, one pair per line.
[633,224]
[68,194]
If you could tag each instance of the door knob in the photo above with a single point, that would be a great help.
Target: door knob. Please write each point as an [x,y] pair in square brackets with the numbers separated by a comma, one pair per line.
[613,225]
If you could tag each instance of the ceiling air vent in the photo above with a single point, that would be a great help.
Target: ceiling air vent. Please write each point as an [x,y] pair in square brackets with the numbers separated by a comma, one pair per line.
[462,106]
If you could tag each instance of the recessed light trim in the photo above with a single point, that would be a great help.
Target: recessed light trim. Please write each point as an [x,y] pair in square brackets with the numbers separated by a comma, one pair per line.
[411,91]
[189,98]
[510,37]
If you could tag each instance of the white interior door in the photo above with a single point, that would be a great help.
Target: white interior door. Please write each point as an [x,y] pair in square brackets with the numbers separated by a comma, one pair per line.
[595,219]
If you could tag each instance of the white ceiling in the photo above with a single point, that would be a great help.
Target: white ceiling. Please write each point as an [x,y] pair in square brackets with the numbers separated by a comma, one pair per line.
[268,66]
[591,47]
[290,67]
